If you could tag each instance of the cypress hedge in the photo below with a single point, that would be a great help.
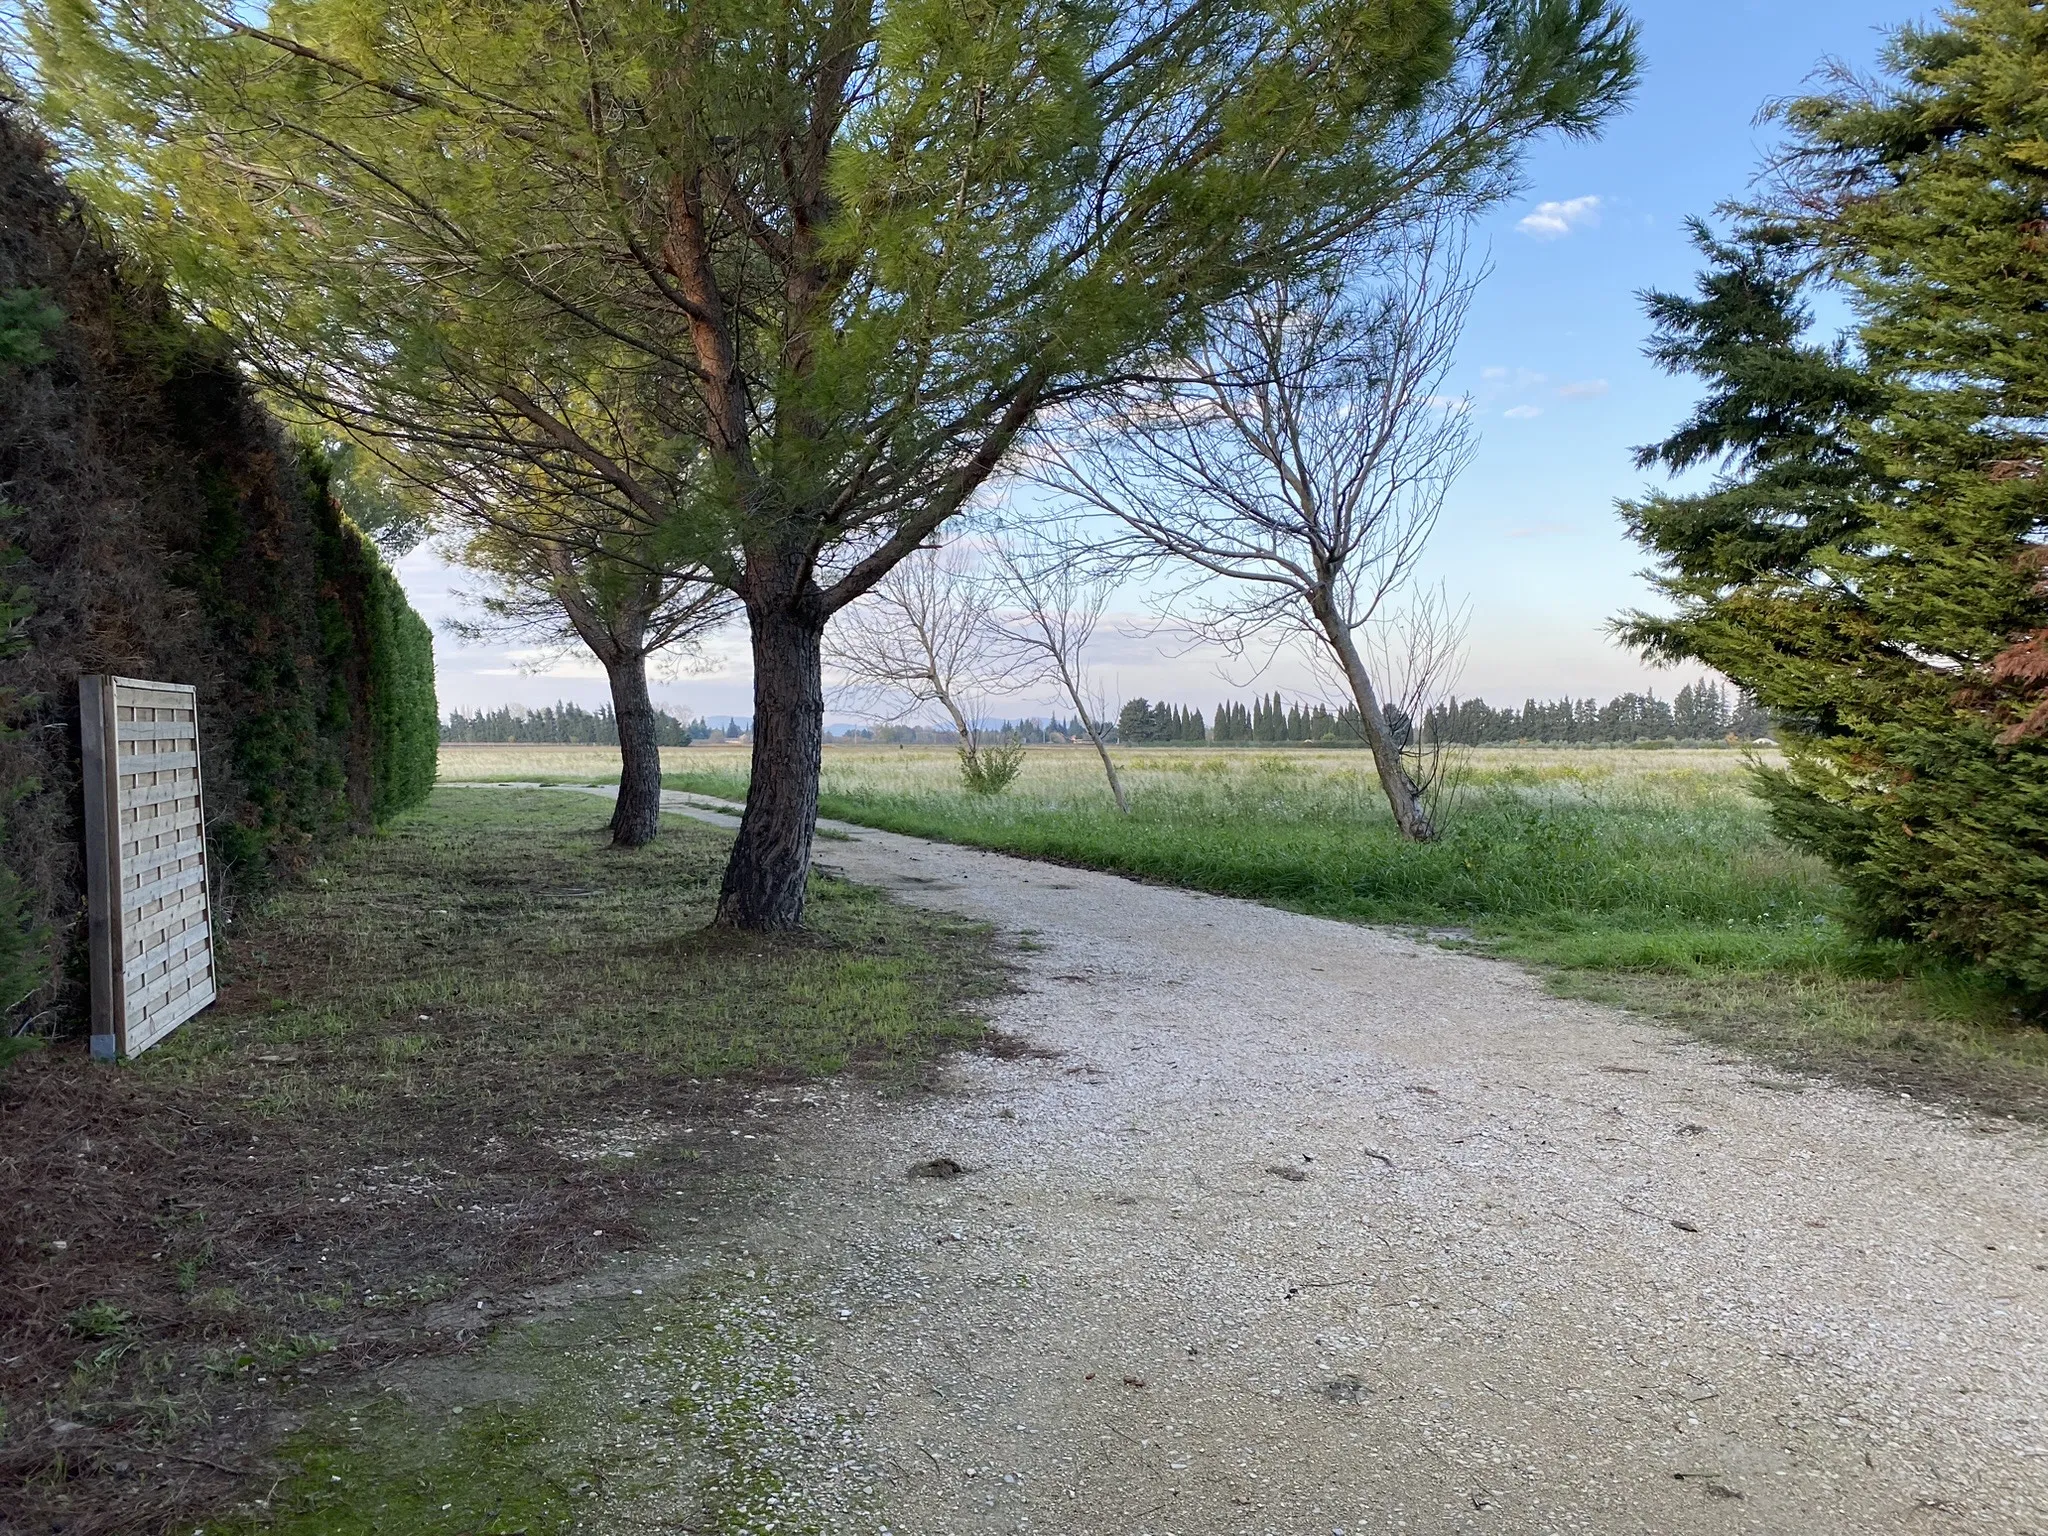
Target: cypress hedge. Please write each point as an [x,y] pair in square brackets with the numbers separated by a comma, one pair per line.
[158,523]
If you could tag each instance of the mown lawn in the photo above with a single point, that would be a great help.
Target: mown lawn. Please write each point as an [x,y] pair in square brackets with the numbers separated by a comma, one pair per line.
[453,1064]
[1645,878]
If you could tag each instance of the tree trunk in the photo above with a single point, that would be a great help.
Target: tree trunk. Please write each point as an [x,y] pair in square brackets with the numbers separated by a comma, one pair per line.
[764,879]
[1116,788]
[1410,814]
[636,817]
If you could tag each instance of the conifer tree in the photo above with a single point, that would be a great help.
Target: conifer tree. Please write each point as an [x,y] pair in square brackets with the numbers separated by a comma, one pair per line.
[1871,564]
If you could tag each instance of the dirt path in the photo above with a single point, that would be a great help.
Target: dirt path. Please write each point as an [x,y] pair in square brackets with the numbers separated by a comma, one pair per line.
[1311,1229]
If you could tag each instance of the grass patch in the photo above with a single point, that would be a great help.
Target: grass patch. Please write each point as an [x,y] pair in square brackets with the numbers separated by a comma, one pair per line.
[549,763]
[1929,1034]
[448,1067]
[1527,849]
[679,1409]
[1648,879]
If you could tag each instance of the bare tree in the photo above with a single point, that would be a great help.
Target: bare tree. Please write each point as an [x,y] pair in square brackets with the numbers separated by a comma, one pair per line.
[1295,464]
[1051,605]
[1416,654]
[563,593]
[927,634]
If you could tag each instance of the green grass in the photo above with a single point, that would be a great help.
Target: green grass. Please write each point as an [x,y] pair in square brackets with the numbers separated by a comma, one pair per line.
[1528,853]
[1651,880]
[493,949]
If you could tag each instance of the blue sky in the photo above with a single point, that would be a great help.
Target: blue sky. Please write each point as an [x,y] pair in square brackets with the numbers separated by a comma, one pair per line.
[1552,359]
[1552,354]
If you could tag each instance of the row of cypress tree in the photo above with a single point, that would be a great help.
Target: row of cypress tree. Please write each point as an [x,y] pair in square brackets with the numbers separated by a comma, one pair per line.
[1141,721]
[564,723]
[1272,718]
[1703,711]
[1872,559]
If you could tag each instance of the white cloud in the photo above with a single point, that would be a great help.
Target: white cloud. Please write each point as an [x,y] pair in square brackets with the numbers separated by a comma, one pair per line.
[1493,375]
[1553,221]
[1523,412]
[1584,389]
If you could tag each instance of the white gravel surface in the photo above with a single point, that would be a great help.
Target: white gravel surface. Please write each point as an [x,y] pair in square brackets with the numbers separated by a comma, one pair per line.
[1308,1228]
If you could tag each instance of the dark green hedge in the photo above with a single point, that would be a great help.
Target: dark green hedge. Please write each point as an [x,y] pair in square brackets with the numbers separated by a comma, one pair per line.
[158,523]
[395,686]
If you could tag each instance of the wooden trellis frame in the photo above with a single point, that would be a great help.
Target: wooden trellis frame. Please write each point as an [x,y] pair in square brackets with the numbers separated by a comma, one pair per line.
[149,907]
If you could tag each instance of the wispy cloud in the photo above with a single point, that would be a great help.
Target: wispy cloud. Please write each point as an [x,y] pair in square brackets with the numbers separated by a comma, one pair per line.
[1553,221]
[1583,389]
[1523,412]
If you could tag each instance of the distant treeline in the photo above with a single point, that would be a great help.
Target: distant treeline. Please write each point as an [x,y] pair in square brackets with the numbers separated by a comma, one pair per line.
[568,724]
[1141,720]
[1030,732]
[1701,712]
[1269,718]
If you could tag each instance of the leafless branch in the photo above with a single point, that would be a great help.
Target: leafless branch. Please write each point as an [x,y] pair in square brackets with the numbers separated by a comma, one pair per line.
[1292,469]
[1052,598]
[924,635]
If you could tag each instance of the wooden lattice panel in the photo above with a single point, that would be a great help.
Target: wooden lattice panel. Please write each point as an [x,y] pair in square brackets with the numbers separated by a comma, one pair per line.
[151,919]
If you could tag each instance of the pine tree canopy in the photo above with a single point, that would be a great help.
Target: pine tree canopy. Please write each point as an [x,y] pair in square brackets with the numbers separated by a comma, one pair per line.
[791,274]
[785,280]
[1871,561]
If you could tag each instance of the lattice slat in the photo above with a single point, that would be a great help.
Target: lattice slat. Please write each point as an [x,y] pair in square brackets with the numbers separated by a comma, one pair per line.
[150,916]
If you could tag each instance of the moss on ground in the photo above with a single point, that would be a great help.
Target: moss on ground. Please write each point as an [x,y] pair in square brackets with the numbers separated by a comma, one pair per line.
[684,1409]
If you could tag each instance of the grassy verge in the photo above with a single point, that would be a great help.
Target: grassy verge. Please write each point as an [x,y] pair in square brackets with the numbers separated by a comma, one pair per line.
[1645,879]
[449,1068]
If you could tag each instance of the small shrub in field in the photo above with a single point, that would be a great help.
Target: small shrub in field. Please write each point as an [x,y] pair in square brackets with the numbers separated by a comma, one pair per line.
[990,770]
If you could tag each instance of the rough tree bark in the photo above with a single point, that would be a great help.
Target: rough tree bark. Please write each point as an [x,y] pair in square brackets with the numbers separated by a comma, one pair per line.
[619,641]
[636,817]
[764,879]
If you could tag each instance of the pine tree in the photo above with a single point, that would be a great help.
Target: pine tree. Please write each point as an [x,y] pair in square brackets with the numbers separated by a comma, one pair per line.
[1871,564]
[1134,721]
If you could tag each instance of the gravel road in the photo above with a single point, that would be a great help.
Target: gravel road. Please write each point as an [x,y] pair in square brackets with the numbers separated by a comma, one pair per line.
[1307,1228]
